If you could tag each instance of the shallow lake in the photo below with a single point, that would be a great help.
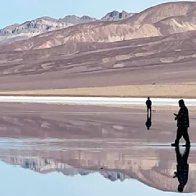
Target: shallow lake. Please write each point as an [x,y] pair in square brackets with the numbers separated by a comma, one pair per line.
[92,150]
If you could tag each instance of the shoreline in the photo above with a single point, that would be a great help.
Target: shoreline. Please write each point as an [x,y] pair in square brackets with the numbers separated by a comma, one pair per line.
[99,101]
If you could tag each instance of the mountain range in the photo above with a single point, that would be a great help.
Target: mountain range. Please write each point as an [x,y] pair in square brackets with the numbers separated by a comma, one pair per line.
[41,25]
[96,53]
[161,20]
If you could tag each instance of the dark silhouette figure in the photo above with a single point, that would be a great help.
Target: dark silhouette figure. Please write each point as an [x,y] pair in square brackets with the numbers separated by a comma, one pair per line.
[182,123]
[182,167]
[148,121]
[148,105]
[149,113]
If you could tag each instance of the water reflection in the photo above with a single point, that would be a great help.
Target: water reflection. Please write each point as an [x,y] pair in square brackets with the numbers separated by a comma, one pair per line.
[111,146]
[182,167]
[17,181]
[149,121]
[152,166]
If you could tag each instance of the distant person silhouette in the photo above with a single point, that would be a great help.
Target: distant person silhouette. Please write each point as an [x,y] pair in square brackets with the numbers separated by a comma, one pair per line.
[182,167]
[182,123]
[148,105]
[149,113]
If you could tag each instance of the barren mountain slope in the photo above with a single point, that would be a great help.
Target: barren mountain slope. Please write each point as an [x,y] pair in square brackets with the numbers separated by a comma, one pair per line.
[158,60]
[38,26]
[160,20]
[45,24]
[162,11]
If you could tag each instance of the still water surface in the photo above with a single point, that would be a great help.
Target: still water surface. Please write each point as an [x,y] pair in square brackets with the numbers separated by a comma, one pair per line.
[91,151]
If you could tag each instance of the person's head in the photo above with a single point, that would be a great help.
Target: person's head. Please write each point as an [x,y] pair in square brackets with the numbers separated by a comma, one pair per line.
[180,188]
[181,103]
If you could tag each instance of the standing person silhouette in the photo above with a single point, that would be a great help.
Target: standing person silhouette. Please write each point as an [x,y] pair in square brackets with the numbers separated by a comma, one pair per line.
[182,167]
[149,106]
[182,123]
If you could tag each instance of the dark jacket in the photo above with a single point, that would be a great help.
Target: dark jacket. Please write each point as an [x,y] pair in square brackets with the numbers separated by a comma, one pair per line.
[148,103]
[183,117]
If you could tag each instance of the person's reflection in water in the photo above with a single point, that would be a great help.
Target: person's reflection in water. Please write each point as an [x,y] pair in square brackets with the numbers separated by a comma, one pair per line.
[182,167]
[148,121]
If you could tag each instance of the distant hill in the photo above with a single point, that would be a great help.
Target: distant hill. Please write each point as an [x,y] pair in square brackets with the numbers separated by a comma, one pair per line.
[38,26]
[161,20]
[160,39]
[41,25]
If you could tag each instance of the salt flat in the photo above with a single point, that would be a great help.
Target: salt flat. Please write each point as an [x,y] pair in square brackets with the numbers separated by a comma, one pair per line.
[93,100]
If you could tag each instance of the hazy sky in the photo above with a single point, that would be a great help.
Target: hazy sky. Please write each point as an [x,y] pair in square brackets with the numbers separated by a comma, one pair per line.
[18,11]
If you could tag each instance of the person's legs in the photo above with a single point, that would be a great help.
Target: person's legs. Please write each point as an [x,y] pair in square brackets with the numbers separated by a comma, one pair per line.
[178,155]
[150,112]
[186,136]
[178,135]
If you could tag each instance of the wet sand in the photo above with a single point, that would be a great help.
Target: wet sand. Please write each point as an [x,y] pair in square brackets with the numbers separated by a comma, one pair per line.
[89,122]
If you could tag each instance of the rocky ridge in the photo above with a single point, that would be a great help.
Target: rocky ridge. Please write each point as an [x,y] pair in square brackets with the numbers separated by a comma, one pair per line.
[161,20]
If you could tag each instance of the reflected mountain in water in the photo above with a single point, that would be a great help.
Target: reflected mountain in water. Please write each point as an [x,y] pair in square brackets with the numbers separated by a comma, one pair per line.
[49,165]
[152,166]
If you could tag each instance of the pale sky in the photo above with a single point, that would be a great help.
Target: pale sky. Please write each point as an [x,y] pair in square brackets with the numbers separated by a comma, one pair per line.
[19,11]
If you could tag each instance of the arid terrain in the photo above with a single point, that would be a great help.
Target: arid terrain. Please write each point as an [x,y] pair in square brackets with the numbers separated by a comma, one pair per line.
[123,54]
[151,53]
